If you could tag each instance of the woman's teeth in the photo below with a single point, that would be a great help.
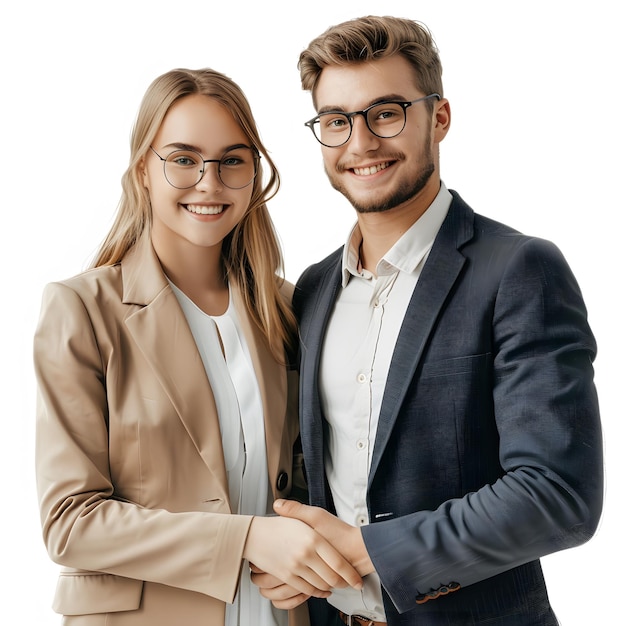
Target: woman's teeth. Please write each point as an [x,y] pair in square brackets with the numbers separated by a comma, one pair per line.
[205,210]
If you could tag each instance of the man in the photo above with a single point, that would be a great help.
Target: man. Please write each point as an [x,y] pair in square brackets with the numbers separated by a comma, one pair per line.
[448,412]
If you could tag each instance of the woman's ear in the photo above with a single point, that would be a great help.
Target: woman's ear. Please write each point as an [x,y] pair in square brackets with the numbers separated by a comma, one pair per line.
[141,168]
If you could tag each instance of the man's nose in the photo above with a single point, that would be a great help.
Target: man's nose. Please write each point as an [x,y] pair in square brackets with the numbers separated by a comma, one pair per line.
[362,137]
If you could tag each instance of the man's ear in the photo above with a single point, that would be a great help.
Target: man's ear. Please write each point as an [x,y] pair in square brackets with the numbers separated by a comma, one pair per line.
[441,119]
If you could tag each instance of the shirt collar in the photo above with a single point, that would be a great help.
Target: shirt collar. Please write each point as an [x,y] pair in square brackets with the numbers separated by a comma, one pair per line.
[409,251]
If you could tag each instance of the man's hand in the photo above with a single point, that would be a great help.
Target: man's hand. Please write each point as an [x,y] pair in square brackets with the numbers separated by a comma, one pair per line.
[345,538]
[295,554]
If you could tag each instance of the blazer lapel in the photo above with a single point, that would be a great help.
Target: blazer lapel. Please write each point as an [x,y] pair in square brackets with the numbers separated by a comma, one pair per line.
[439,274]
[161,331]
[313,429]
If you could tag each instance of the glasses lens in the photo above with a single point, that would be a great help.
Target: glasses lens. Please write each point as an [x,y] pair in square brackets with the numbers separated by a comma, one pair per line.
[386,119]
[332,129]
[183,168]
[238,167]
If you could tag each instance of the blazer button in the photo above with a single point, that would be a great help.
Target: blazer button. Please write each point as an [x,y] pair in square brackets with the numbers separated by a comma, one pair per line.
[282,481]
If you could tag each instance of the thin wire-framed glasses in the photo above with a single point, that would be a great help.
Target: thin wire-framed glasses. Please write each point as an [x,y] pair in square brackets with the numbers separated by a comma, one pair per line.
[236,168]
[383,119]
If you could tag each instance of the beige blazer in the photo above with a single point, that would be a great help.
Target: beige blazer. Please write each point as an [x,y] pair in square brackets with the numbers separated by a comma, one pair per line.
[130,471]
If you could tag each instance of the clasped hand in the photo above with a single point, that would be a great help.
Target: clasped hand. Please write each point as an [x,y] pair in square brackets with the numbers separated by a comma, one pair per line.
[296,556]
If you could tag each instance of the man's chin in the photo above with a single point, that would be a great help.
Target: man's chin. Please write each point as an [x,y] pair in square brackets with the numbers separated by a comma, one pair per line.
[371,208]
[364,204]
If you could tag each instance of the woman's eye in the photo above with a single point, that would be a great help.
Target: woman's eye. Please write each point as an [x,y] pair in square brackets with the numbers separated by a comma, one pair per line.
[230,161]
[184,161]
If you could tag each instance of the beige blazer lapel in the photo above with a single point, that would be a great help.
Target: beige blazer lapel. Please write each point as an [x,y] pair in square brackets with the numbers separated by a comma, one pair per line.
[161,331]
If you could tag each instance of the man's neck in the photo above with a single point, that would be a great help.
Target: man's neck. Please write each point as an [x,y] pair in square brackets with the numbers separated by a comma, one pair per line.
[380,231]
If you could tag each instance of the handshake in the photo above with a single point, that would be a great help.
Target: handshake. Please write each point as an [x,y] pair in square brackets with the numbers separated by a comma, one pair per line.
[304,551]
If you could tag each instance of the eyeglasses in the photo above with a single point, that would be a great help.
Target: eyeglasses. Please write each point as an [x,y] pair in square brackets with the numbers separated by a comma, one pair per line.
[236,168]
[383,119]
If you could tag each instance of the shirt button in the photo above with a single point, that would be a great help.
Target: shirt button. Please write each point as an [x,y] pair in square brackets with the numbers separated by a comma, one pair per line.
[362,378]
[361,444]
[361,521]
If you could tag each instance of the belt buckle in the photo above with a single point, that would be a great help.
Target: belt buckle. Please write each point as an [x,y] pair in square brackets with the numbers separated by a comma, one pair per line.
[359,620]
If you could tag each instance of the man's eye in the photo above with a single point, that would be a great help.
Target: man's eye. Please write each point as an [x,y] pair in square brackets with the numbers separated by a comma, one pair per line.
[387,114]
[334,122]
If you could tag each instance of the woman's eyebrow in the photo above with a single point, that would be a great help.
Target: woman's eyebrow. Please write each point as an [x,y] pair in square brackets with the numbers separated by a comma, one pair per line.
[187,146]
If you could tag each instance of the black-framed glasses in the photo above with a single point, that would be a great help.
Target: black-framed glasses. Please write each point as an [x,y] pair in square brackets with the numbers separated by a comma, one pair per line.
[236,168]
[383,119]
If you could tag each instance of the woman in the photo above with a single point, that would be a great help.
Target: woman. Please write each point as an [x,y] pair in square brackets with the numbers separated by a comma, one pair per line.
[166,408]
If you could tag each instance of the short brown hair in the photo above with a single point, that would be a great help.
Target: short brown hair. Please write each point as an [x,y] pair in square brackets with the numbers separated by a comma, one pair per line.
[370,38]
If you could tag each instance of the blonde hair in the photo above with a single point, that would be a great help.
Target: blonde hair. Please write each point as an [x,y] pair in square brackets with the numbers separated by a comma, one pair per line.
[369,38]
[251,253]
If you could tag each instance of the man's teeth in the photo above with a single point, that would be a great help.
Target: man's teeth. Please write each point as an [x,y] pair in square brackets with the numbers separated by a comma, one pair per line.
[205,210]
[368,171]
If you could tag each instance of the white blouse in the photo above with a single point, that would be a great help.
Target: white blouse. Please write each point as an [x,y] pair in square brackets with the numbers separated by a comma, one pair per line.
[226,358]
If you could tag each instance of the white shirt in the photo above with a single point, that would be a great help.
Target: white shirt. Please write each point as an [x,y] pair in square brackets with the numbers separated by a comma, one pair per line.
[240,410]
[356,354]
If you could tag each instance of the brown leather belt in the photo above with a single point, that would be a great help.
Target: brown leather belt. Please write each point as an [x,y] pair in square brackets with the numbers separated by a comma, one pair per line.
[357,620]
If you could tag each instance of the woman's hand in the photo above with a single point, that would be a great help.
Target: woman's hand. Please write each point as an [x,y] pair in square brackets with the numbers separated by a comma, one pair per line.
[282,595]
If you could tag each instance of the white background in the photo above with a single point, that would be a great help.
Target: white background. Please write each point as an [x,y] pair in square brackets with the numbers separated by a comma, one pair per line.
[537,97]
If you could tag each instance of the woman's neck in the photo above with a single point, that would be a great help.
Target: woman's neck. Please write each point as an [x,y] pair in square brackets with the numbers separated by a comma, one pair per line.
[198,272]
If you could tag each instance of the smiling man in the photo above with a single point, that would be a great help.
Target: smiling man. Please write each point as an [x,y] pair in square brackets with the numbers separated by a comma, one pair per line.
[449,418]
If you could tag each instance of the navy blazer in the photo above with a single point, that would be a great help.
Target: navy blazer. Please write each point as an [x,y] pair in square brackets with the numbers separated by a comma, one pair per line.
[488,453]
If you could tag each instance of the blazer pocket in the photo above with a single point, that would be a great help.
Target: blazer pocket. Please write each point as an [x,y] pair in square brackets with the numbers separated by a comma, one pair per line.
[83,593]
[458,366]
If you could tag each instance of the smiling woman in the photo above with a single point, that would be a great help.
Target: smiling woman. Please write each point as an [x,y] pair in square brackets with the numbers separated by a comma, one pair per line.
[196,202]
[166,403]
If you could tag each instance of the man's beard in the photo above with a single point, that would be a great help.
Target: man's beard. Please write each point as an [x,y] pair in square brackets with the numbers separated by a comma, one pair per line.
[407,190]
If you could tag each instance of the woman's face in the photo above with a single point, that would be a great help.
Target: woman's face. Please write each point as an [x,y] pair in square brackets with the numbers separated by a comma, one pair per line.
[207,211]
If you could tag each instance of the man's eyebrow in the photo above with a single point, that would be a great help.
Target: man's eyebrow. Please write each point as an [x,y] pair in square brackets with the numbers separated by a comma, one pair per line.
[391,97]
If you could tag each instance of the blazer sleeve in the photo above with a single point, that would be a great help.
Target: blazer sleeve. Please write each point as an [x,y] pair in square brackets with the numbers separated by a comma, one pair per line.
[549,496]
[86,525]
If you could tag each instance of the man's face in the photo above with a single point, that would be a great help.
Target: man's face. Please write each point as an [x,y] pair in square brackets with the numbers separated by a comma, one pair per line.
[373,173]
